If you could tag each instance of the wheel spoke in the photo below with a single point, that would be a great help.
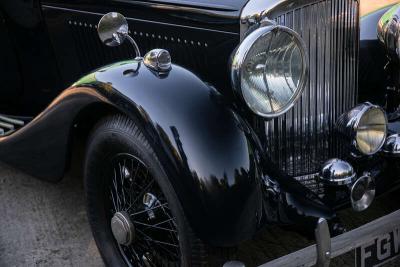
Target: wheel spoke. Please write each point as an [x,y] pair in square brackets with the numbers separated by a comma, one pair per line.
[155,227]
[150,246]
[159,244]
[156,242]
[141,194]
[136,170]
[135,254]
[146,210]
[122,182]
[114,203]
[117,193]
[157,224]
[122,185]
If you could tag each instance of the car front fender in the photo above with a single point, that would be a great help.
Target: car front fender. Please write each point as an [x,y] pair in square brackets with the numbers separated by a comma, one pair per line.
[205,148]
[203,145]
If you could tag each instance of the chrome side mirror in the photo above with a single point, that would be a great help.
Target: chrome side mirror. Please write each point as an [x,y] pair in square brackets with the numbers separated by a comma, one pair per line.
[113,30]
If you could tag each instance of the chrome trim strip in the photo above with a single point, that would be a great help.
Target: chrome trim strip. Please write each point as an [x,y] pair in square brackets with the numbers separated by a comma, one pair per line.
[181,5]
[139,20]
[256,10]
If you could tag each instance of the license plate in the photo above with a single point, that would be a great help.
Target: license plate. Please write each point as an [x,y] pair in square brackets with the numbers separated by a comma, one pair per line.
[379,251]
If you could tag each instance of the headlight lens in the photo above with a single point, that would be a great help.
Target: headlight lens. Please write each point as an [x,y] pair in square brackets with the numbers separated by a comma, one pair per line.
[371,131]
[270,70]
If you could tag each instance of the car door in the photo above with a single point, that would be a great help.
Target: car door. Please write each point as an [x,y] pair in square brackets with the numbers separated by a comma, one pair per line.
[10,77]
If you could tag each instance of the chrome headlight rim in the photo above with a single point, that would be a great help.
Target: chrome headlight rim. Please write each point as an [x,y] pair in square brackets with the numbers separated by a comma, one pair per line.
[242,52]
[349,124]
[366,108]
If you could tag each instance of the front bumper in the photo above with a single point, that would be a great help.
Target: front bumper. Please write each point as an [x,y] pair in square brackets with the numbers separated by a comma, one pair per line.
[327,248]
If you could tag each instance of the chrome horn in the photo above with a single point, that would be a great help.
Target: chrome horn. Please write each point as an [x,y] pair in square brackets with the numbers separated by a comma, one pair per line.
[336,173]
[362,193]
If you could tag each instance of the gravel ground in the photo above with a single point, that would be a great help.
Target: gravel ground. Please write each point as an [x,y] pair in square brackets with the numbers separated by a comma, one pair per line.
[45,224]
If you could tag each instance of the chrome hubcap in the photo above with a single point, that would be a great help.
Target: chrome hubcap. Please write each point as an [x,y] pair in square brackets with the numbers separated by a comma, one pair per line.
[122,228]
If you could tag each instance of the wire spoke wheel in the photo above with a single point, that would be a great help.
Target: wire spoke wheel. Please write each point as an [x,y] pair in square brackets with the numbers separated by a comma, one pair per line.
[133,209]
[141,221]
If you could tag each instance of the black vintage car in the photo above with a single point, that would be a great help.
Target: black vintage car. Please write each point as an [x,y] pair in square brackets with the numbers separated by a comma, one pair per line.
[212,120]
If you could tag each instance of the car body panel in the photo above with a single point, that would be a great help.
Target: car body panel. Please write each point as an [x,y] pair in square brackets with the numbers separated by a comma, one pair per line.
[209,158]
[201,142]
[372,77]
[204,139]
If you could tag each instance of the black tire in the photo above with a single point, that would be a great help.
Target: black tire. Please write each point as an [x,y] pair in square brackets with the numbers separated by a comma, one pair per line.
[115,137]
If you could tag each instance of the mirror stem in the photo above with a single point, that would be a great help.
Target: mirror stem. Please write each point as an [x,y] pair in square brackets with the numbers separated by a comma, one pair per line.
[135,46]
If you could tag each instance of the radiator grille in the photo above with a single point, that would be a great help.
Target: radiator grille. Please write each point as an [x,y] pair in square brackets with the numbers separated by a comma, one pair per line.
[301,140]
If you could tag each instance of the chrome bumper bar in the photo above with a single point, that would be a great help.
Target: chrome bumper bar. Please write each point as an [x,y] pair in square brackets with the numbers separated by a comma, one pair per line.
[327,248]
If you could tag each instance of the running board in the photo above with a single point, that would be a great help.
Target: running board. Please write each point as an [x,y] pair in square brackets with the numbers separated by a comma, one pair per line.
[8,125]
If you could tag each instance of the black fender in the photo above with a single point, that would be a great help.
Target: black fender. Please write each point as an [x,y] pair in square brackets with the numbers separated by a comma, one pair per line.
[204,146]
[41,148]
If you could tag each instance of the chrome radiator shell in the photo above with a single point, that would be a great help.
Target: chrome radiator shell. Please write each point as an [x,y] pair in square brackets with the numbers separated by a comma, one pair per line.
[302,139]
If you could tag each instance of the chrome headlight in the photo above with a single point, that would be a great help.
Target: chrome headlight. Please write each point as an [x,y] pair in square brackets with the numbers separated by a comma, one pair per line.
[269,69]
[366,126]
[389,31]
